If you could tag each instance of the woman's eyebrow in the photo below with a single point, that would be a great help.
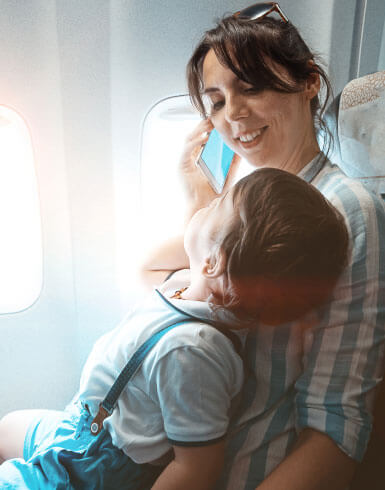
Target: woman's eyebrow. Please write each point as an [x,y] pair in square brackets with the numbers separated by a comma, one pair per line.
[210,90]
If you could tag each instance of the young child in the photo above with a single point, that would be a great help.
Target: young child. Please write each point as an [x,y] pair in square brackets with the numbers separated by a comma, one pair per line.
[270,250]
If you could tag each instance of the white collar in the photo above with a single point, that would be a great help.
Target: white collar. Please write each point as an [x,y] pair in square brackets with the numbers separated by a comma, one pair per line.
[201,310]
[313,168]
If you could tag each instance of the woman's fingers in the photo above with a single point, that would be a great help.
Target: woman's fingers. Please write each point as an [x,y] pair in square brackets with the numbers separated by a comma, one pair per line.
[193,145]
[194,142]
[197,187]
[203,126]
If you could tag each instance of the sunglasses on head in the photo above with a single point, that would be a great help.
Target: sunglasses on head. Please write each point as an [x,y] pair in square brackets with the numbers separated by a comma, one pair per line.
[261,10]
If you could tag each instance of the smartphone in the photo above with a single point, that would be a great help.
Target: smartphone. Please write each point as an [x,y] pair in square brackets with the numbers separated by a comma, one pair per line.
[215,161]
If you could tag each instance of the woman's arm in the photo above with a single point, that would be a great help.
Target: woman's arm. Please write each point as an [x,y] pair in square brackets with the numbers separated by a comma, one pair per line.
[193,468]
[334,399]
[315,463]
[168,257]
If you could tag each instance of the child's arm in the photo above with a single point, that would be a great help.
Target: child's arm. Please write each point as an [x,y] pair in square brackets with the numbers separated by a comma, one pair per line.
[193,468]
[161,261]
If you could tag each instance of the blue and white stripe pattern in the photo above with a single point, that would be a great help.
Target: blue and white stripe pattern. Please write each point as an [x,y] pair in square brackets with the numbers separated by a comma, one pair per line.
[323,376]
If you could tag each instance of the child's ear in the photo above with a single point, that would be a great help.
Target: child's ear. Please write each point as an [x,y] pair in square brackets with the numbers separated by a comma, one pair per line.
[214,265]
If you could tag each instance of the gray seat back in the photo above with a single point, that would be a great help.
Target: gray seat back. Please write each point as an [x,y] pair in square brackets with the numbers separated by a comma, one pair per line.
[357,120]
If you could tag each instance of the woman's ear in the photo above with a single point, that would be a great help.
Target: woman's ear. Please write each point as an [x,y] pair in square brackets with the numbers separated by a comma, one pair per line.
[214,265]
[312,85]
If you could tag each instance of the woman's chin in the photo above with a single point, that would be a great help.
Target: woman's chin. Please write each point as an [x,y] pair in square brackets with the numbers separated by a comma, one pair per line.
[258,160]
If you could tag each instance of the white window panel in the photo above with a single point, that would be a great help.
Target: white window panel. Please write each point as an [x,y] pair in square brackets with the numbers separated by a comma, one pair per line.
[165,129]
[21,273]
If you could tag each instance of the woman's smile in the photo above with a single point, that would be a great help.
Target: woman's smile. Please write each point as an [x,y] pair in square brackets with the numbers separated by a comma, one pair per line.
[266,127]
[251,138]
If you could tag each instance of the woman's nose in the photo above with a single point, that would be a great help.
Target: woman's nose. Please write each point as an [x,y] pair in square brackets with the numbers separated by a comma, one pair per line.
[236,108]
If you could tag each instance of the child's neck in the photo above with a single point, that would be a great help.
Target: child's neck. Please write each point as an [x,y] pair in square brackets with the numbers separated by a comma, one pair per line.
[198,289]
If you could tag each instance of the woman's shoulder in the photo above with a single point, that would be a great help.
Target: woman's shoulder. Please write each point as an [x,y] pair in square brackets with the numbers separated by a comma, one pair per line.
[350,196]
[363,210]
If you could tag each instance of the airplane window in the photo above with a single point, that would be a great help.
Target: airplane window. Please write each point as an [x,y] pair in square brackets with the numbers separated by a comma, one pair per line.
[165,128]
[21,243]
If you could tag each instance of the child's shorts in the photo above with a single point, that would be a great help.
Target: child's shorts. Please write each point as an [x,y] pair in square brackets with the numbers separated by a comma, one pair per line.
[61,453]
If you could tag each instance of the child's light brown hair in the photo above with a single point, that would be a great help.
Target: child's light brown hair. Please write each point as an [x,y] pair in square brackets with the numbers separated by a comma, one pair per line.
[285,248]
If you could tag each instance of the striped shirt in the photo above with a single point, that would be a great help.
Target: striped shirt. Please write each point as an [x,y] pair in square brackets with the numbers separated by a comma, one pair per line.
[322,377]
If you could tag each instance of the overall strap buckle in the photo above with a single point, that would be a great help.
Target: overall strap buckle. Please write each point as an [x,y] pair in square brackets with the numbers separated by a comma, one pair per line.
[97,423]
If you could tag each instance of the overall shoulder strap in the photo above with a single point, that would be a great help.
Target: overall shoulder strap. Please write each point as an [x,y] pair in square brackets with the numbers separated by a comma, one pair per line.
[106,407]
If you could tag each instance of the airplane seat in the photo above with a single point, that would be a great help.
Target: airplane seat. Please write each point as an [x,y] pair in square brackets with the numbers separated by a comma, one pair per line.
[356,118]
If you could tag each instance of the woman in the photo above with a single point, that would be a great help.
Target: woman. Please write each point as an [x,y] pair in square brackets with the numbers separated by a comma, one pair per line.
[305,416]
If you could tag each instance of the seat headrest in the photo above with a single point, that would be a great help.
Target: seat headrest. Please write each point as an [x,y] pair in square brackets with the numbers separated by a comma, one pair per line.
[357,120]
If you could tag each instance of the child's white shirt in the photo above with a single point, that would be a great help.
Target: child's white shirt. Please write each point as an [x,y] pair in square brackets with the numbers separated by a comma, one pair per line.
[183,392]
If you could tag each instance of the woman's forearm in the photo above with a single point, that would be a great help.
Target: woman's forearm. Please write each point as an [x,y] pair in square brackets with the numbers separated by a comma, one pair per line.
[178,476]
[315,463]
[169,255]
[194,468]
[158,263]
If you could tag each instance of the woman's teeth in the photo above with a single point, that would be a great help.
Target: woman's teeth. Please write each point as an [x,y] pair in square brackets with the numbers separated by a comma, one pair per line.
[245,138]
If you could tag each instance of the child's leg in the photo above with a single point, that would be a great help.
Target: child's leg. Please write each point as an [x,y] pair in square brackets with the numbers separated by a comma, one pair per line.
[59,448]
[13,428]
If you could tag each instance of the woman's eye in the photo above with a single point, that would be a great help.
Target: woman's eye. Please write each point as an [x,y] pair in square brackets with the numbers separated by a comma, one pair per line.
[217,105]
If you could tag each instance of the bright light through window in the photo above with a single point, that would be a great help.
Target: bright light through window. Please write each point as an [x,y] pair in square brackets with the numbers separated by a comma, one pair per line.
[164,132]
[20,245]
[165,129]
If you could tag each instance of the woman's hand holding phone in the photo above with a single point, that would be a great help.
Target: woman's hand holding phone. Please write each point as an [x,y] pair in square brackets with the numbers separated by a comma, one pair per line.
[197,188]
[199,191]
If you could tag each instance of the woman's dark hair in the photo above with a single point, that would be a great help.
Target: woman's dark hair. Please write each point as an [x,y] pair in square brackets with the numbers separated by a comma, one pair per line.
[247,48]
[285,248]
